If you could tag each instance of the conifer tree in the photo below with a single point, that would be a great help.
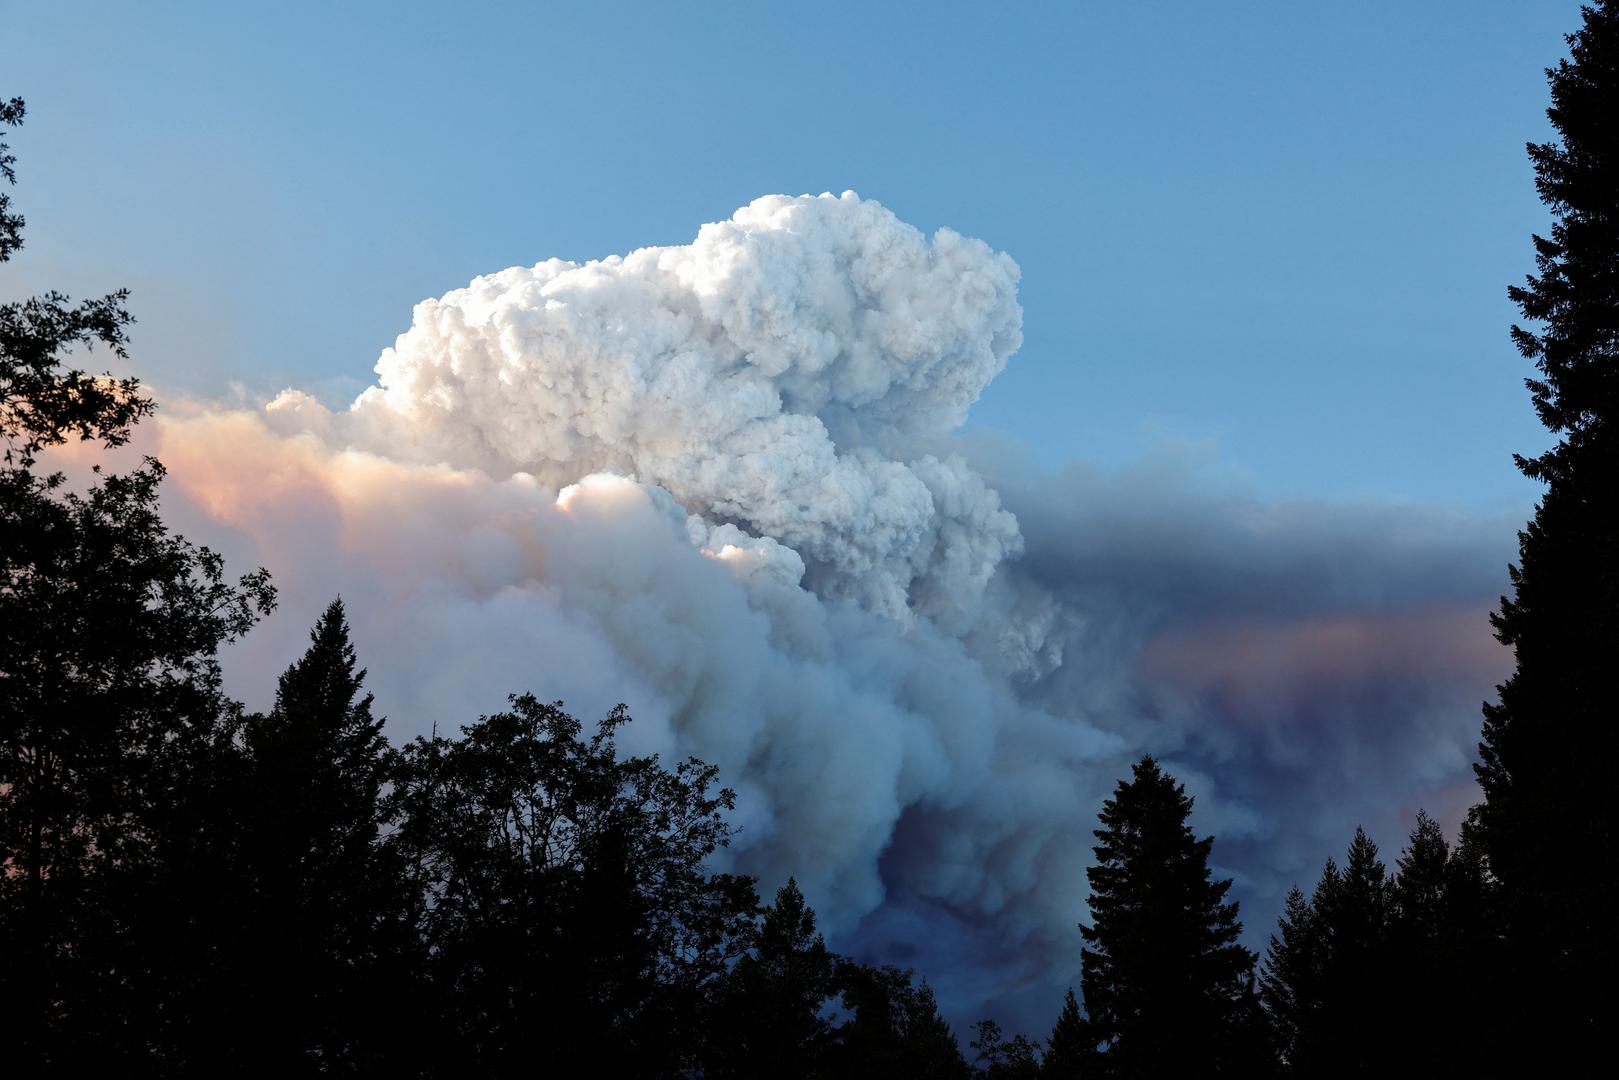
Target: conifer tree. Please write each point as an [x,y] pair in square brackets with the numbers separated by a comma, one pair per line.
[893,1031]
[1068,1056]
[776,995]
[1549,816]
[1291,983]
[1327,978]
[1163,977]
[319,896]
[1422,991]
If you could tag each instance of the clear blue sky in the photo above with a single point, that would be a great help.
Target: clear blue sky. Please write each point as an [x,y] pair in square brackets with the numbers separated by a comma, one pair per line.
[1278,232]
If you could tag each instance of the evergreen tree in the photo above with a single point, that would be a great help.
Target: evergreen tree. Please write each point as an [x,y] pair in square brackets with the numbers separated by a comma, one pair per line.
[1291,984]
[1549,816]
[1422,991]
[319,896]
[1327,978]
[1163,977]
[893,1031]
[776,996]
[1068,1055]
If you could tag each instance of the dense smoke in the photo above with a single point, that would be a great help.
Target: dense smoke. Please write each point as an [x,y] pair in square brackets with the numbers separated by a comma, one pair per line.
[719,482]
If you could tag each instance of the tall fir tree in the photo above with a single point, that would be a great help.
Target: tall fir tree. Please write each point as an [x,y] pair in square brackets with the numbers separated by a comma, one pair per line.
[1069,1055]
[1164,981]
[1549,816]
[893,1029]
[774,1001]
[320,897]
[1291,983]
[1328,977]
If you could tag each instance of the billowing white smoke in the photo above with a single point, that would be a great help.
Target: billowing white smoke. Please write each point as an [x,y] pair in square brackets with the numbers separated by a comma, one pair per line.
[771,375]
[692,479]
[707,481]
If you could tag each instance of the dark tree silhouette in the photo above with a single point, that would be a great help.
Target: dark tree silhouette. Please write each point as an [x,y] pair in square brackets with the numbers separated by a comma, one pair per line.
[1549,817]
[894,1029]
[1069,1053]
[568,918]
[1292,982]
[112,722]
[1165,983]
[11,114]
[773,1020]
[1330,975]
[998,1058]
[319,895]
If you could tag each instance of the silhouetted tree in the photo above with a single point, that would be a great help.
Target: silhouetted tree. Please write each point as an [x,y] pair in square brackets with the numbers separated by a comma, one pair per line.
[568,917]
[1069,1054]
[893,1031]
[1164,980]
[112,722]
[1327,978]
[1549,816]
[320,896]
[11,114]
[1000,1058]
[1292,982]
[1421,990]
[775,998]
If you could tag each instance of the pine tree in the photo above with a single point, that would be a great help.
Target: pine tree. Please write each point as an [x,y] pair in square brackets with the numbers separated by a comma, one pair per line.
[1068,1054]
[1422,991]
[893,1031]
[1163,977]
[776,995]
[1549,817]
[1291,983]
[1353,909]
[1327,978]
[318,892]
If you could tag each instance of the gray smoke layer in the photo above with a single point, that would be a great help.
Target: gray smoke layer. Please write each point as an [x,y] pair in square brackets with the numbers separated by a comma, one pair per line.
[719,482]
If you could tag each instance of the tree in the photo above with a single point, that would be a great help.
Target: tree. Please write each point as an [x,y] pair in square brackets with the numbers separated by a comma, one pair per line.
[776,995]
[1419,947]
[319,895]
[1000,1058]
[563,902]
[893,1031]
[1548,818]
[1291,984]
[111,715]
[1069,1056]
[1164,980]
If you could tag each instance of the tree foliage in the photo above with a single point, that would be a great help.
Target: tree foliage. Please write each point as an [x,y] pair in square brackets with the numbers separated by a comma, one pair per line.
[562,895]
[1548,817]
[1165,982]
[111,712]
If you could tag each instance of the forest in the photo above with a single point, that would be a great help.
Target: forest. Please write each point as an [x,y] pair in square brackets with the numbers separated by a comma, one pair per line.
[191,888]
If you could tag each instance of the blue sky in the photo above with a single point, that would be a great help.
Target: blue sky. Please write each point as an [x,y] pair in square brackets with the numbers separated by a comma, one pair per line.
[1274,237]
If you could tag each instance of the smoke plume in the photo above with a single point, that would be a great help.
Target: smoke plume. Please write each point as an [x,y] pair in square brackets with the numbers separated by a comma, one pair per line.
[721,482]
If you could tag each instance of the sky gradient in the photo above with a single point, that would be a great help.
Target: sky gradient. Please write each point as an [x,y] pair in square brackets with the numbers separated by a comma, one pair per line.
[1277,235]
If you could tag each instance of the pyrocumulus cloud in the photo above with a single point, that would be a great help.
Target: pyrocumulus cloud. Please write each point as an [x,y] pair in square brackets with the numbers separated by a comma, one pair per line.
[719,482]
